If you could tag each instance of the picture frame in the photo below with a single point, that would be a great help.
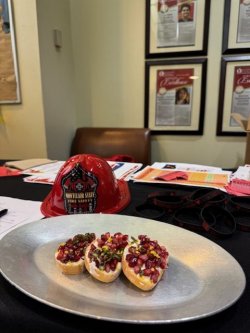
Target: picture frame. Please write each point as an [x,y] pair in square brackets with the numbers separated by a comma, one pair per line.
[167,35]
[236,32]
[9,76]
[234,94]
[175,96]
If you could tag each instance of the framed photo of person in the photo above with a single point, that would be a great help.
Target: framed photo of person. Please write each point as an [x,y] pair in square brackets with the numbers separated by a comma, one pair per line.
[175,96]
[9,79]
[176,27]
[234,94]
[236,30]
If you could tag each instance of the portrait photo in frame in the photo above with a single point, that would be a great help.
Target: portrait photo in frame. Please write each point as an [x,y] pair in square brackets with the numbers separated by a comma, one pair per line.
[236,28]
[9,78]
[234,94]
[176,28]
[175,96]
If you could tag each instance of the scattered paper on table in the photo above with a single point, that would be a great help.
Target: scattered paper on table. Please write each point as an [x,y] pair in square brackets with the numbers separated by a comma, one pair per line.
[50,168]
[195,178]
[43,174]
[184,167]
[124,170]
[243,172]
[19,212]
[240,181]
[25,164]
[46,174]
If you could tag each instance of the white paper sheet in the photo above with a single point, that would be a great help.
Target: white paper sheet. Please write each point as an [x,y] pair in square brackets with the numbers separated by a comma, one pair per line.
[185,167]
[243,172]
[19,212]
[46,174]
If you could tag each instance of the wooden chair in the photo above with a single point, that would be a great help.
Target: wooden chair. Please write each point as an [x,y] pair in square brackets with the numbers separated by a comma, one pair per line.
[106,142]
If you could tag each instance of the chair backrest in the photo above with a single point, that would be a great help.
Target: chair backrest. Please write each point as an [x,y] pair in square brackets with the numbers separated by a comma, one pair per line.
[106,142]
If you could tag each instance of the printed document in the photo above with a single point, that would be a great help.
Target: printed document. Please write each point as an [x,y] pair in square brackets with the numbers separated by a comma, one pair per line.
[19,212]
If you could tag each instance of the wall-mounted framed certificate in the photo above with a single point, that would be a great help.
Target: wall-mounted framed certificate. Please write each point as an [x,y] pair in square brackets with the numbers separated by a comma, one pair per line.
[236,29]
[175,96]
[234,94]
[176,27]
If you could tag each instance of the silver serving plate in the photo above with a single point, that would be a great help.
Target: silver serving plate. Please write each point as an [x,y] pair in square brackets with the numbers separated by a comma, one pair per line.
[202,279]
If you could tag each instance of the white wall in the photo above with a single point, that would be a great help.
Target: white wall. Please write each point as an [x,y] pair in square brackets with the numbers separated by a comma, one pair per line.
[57,73]
[108,41]
[108,44]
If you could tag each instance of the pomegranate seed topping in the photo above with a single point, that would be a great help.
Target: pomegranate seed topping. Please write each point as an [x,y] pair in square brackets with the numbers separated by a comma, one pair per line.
[139,262]
[107,268]
[137,269]
[132,262]
[74,249]
[154,277]
[147,257]
[109,251]
[146,272]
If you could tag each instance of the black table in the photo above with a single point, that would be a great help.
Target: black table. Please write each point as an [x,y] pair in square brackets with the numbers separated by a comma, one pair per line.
[19,312]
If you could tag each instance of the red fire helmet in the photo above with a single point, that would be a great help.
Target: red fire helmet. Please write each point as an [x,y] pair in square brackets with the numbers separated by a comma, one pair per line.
[86,184]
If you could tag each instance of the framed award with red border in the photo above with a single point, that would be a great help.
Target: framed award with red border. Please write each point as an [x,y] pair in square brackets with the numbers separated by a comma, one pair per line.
[175,95]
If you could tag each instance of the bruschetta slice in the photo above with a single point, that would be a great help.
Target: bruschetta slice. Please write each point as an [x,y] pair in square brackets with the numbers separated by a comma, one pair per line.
[144,262]
[103,256]
[70,255]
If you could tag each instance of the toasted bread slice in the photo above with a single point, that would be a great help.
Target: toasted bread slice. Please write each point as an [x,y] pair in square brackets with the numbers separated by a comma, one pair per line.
[70,267]
[144,262]
[101,274]
[103,256]
[70,255]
